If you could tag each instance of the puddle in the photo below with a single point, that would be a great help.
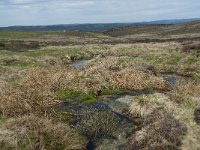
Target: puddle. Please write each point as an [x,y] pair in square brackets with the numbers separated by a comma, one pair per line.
[118,103]
[172,79]
[80,64]
[111,103]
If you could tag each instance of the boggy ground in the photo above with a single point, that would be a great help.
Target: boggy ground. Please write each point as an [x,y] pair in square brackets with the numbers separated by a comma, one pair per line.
[117,99]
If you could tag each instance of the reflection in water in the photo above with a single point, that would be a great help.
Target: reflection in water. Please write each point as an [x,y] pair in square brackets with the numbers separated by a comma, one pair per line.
[80,64]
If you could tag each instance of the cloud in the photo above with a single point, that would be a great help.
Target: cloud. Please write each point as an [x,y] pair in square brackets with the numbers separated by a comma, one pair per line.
[34,12]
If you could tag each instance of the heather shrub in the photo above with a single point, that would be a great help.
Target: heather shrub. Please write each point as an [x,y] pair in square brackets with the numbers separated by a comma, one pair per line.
[96,123]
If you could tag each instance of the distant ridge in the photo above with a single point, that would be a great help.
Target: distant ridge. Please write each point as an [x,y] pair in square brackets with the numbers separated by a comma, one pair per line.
[96,27]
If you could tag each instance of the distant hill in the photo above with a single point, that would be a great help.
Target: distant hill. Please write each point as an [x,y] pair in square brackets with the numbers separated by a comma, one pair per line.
[92,27]
[157,30]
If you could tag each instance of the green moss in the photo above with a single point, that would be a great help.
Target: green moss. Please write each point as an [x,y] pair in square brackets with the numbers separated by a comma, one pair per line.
[88,99]
[107,91]
[76,97]
[63,95]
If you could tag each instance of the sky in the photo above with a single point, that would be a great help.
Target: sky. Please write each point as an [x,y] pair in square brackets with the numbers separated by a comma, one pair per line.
[48,12]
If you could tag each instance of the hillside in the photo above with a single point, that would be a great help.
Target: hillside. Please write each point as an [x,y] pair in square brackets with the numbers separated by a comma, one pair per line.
[91,27]
[157,30]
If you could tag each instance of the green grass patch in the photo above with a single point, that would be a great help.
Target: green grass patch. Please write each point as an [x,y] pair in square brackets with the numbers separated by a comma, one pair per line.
[2,118]
[110,91]
[153,58]
[196,76]
[141,100]
[76,97]
[191,60]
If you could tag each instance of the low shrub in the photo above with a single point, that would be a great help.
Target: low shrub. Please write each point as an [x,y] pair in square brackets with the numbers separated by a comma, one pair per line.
[97,123]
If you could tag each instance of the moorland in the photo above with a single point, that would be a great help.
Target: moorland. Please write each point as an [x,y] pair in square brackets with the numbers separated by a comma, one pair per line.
[135,87]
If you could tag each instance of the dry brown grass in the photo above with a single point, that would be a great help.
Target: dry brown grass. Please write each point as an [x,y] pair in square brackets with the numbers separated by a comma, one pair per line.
[136,80]
[35,94]
[142,106]
[184,113]
[31,132]
[116,72]
[184,90]
[160,131]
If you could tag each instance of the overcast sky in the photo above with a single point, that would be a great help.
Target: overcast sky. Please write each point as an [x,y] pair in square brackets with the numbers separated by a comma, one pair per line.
[44,12]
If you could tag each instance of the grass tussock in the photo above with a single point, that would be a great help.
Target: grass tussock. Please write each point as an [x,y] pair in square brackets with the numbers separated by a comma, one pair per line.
[136,80]
[184,90]
[160,131]
[31,132]
[116,72]
[143,106]
[35,94]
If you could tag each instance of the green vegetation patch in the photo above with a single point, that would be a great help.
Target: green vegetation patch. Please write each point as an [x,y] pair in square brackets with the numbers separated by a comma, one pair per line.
[110,91]
[2,118]
[76,97]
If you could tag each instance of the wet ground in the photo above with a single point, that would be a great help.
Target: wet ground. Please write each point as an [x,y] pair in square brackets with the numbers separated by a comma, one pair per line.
[117,103]
[80,64]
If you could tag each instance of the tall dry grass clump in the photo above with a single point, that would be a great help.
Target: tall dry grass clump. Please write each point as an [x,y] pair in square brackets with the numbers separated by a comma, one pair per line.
[141,106]
[31,132]
[131,79]
[185,89]
[35,94]
[117,72]
[160,131]
[37,91]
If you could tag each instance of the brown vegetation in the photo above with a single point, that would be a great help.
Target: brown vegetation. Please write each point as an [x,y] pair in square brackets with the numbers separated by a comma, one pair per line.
[115,73]
[31,132]
[160,131]
[35,94]
[184,90]
[97,123]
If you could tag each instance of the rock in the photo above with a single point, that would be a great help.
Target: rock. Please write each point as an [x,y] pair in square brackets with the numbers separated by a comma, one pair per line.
[125,100]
